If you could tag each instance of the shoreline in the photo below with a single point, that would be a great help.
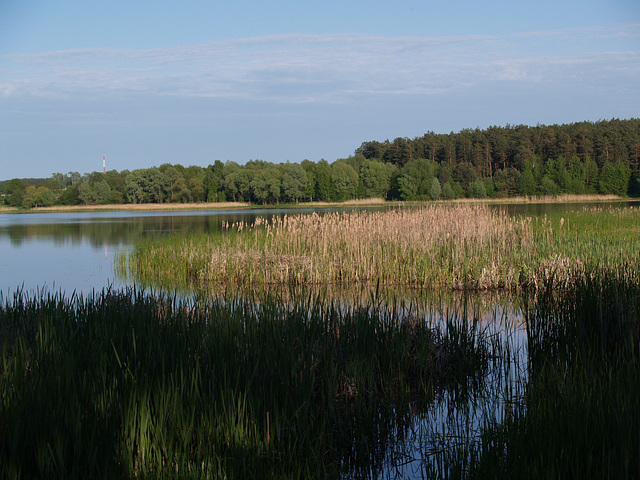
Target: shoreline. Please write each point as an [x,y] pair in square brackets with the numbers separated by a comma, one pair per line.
[369,202]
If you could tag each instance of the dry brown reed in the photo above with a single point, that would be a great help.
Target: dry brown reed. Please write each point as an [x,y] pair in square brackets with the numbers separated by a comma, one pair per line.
[347,203]
[454,246]
[451,246]
[564,198]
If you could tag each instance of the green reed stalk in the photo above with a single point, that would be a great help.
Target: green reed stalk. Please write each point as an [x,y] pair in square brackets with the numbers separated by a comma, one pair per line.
[581,417]
[124,384]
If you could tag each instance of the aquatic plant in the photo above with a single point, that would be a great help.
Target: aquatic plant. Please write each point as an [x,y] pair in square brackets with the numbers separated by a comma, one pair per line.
[452,247]
[128,384]
[580,416]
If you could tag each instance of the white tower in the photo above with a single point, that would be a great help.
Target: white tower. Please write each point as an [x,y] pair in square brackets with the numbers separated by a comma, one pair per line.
[104,165]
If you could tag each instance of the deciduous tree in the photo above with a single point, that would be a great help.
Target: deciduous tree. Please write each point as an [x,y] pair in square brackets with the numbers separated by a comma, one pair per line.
[345,181]
[294,181]
[15,192]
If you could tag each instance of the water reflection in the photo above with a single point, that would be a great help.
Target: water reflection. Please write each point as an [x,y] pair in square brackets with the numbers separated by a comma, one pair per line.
[124,228]
[415,439]
[537,209]
[113,229]
[74,252]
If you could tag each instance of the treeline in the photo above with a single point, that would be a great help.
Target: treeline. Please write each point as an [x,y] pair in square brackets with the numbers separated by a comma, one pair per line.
[586,157]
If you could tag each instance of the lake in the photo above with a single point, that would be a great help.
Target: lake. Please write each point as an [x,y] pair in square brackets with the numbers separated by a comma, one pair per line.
[74,252]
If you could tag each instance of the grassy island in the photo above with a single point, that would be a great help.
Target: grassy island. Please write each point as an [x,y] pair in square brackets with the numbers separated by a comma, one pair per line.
[442,246]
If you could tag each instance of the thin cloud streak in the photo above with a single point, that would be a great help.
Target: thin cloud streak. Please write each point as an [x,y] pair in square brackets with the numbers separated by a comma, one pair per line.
[301,68]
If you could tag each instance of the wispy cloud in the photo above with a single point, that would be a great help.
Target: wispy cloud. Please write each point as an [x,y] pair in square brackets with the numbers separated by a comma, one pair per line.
[327,68]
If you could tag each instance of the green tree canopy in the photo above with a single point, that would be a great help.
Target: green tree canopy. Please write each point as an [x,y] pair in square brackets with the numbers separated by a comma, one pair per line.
[147,185]
[294,182]
[324,188]
[376,178]
[345,181]
[14,193]
[614,178]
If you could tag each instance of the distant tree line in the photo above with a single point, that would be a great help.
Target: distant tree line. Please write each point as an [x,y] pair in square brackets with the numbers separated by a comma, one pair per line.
[586,157]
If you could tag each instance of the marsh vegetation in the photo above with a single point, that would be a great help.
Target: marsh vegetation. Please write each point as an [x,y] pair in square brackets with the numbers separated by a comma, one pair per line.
[443,246]
[286,383]
[125,384]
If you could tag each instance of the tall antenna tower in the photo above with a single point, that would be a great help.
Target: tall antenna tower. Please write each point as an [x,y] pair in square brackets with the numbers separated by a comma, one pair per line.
[104,164]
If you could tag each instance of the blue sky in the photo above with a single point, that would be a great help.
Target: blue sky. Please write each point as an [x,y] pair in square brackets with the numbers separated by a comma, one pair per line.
[192,82]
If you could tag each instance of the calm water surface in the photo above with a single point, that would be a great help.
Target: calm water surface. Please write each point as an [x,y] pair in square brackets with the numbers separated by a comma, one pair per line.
[75,251]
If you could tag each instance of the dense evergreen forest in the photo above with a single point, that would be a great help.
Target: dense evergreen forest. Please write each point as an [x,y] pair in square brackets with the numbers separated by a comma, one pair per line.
[587,157]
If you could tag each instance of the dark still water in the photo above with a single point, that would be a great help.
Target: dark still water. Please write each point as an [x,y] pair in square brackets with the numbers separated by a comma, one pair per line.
[75,251]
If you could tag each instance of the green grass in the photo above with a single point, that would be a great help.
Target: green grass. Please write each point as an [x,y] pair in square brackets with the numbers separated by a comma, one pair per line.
[596,237]
[124,385]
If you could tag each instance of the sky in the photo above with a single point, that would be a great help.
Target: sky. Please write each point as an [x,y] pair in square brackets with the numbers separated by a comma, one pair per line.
[191,82]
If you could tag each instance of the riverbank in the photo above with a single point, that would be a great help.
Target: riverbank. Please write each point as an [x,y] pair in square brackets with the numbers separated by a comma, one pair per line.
[128,207]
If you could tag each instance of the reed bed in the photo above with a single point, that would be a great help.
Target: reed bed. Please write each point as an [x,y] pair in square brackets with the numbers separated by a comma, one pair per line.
[445,246]
[564,198]
[357,202]
[580,417]
[133,385]
[435,246]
